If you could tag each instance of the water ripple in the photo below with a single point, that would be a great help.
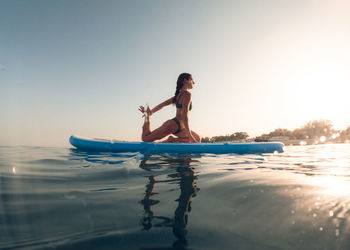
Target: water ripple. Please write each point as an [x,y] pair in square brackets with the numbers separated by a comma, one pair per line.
[65,198]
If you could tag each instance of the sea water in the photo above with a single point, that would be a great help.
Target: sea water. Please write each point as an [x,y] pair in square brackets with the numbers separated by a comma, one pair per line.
[62,198]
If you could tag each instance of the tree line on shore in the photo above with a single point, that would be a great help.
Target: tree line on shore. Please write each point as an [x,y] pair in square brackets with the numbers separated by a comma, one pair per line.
[313,130]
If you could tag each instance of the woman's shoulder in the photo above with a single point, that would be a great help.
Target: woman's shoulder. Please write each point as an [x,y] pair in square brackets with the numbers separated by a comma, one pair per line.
[185,93]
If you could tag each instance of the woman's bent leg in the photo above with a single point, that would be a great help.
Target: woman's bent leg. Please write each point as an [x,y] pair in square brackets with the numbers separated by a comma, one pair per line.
[146,129]
[167,128]
[183,137]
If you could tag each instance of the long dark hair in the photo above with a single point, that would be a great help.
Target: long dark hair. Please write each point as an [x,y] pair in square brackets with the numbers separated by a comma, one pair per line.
[180,83]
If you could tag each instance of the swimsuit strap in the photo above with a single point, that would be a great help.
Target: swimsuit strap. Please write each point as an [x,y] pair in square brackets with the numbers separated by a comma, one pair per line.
[179,105]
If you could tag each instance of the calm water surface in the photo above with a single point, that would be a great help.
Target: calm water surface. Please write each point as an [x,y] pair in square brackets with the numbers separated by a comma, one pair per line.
[61,198]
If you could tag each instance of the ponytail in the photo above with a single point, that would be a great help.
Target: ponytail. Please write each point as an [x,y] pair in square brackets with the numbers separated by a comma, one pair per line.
[180,84]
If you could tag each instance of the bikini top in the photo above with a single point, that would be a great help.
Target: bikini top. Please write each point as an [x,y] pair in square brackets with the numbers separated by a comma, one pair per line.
[179,105]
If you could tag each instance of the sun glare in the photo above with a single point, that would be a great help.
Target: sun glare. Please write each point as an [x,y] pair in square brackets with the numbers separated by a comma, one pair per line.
[333,174]
[322,139]
[332,185]
[321,88]
[336,135]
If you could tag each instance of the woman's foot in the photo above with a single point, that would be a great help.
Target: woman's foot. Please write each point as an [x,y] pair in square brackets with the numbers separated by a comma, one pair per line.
[170,139]
[177,139]
[146,112]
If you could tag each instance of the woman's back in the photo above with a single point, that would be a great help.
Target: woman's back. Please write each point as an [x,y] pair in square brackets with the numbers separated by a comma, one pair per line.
[181,102]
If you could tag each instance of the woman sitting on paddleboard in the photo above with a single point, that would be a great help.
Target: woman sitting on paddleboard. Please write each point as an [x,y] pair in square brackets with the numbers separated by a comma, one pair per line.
[178,126]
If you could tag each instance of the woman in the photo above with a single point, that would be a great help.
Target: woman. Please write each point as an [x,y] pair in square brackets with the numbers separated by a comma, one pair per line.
[178,126]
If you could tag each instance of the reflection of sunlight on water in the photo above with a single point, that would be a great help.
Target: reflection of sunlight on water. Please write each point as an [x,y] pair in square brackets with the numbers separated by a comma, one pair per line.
[334,171]
[323,174]
[332,185]
[328,169]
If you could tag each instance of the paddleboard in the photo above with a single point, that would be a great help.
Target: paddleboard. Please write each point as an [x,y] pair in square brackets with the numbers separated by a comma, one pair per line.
[104,145]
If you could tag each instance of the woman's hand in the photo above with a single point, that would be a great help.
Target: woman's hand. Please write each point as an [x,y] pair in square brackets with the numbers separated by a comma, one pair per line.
[145,111]
[142,110]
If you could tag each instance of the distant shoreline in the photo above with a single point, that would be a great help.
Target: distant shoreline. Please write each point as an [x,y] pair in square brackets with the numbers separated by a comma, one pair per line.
[303,142]
[312,133]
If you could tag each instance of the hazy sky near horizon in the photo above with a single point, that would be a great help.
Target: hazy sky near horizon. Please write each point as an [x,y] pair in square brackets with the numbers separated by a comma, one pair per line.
[83,67]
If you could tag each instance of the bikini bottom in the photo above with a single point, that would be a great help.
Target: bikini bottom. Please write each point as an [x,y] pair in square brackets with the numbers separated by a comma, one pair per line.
[179,129]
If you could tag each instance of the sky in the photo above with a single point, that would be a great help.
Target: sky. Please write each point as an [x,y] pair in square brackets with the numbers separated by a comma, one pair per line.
[83,67]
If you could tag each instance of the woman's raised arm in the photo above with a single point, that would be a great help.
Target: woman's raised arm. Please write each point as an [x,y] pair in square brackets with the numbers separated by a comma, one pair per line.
[162,105]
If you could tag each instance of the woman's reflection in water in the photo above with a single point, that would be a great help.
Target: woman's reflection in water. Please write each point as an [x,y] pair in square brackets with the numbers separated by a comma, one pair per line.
[187,179]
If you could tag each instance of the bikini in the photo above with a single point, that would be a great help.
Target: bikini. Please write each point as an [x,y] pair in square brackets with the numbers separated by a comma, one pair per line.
[179,106]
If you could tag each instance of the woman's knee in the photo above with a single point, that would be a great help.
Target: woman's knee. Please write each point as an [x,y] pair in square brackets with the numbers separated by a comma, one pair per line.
[170,139]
